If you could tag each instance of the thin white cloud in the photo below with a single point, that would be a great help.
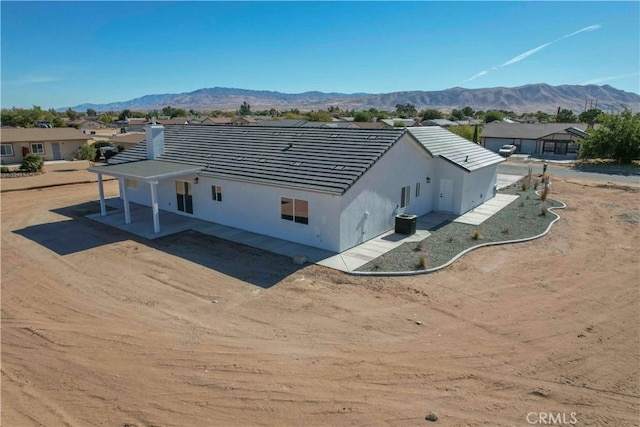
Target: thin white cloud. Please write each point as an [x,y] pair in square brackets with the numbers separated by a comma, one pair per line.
[481,73]
[533,51]
[589,28]
[27,80]
[610,78]
[524,55]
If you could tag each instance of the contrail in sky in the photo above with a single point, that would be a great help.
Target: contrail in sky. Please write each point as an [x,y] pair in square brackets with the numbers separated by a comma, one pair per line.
[608,79]
[533,51]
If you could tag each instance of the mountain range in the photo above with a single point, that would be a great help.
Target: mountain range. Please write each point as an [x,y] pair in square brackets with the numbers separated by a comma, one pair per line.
[521,99]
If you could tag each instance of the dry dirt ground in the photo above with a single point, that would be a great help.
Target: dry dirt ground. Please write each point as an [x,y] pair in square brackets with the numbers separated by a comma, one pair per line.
[99,328]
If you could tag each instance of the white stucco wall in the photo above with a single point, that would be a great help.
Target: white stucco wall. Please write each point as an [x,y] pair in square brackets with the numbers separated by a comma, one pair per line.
[379,191]
[253,207]
[478,187]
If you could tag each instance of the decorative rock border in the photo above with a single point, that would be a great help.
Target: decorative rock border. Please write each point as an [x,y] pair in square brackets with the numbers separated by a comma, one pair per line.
[466,251]
[18,174]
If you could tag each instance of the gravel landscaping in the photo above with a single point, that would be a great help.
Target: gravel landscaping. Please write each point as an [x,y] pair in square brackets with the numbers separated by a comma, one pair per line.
[522,218]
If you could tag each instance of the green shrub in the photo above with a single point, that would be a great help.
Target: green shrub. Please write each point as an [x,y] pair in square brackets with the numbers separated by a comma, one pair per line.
[32,163]
[86,152]
[4,169]
[521,204]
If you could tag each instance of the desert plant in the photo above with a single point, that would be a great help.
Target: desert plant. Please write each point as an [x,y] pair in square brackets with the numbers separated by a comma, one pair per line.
[86,152]
[4,169]
[535,184]
[543,210]
[505,230]
[521,204]
[545,192]
[450,239]
[32,163]
[524,186]
[476,235]
[419,246]
[422,261]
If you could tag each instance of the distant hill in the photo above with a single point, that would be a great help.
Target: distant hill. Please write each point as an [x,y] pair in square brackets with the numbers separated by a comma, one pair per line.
[528,98]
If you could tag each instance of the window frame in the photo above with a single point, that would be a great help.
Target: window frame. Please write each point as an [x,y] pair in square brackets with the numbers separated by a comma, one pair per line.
[298,211]
[417,190]
[216,193]
[32,144]
[3,146]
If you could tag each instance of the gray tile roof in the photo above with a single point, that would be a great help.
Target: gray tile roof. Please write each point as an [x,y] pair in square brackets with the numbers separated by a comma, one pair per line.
[328,160]
[526,130]
[457,150]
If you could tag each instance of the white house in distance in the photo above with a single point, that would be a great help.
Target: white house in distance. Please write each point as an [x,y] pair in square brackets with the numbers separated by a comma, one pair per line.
[327,188]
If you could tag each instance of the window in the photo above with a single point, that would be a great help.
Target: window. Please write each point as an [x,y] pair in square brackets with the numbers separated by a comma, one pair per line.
[131,183]
[294,210]
[6,150]
[417,189]
[405,196]
[37,148]
[216,193]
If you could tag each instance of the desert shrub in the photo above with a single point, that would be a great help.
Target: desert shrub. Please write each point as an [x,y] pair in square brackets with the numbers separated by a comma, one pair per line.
[422,261]
[86,152]
[543,210]
[4,169]
[476,235]
[545,192]
[32,163]
[450,239]
[521,204]
[524,186]
[505,230]
[535,184]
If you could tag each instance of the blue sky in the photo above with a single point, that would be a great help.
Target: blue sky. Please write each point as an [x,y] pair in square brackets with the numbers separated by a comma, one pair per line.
[60,54]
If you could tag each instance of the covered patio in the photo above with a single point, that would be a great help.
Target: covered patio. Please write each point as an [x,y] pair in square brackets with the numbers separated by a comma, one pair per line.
[147,171]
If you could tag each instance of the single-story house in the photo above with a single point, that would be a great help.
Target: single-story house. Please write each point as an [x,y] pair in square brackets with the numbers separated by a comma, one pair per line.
[86,124]
[535,138]
[394,120]
[372,125]
[48,143]
[326,188]
[439,122]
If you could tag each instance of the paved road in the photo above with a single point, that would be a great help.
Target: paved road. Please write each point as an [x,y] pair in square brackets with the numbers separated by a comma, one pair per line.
[518,167]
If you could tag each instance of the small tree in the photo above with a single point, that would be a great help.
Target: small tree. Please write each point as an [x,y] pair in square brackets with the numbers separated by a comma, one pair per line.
[566,116]
[431,114]
[86,152]
[245,109]
[492,116]
[32,163]
[618,137]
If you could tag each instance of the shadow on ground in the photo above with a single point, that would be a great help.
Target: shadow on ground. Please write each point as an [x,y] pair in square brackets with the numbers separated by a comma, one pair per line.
[251,265]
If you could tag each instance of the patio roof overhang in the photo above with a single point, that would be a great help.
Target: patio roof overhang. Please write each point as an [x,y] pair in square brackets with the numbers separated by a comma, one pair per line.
[146,170]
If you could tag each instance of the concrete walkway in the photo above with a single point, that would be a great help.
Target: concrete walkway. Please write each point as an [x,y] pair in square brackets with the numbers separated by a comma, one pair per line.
[349,260]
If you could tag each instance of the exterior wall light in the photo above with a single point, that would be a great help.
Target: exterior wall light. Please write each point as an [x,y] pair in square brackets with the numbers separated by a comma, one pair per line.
[195,180]
[428,180]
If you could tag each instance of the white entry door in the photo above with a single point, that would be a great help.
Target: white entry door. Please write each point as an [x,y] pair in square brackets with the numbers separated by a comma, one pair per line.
[445,201]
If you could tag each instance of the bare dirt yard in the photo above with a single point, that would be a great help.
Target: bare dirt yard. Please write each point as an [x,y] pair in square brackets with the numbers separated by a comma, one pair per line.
[100,328]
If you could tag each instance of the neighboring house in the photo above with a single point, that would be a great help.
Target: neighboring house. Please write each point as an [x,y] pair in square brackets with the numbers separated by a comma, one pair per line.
[333,125]
[373,125]
[86,125]
[407,122]
[535,138]
[327,188]
[244,121]
[439,122]
[217,121]
[289,123]
[48,143]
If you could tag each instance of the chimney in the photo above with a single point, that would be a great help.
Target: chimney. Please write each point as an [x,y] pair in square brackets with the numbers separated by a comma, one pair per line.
[155,140]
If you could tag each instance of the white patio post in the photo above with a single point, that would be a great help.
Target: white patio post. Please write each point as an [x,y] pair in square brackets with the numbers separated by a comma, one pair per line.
[125,201]
[154,206]
[103,208]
